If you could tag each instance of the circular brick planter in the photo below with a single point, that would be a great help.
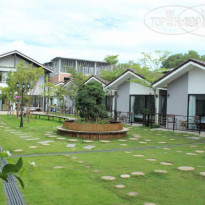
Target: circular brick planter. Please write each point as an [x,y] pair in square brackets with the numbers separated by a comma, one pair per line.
[93,131]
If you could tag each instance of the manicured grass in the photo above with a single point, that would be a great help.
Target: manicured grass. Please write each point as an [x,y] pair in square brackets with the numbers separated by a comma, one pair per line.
[3,200]
[76,183]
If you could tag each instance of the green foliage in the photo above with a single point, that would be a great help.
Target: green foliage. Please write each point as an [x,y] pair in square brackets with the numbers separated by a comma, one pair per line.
[112,74]
[176,59]
[111,59]
[90,101]
[11,169]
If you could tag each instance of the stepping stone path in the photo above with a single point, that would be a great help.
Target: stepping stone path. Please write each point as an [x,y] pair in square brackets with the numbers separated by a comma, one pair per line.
[32,139]
[202,174]
[125,176]
[72,140]
[151,160]
[137,173]
[143,142]
[127,152]
[25,136]
[199,151]
[123,144]
[74,158]
[193,146]
[132,194]
[33,147]
[87,141]
[105,141]
[148,140]
[108,178]
[166,163]
[179,151]
[52,136]
[122,140]
[87,166]
[61,138]
[89,147]
[162,142]
[138,155]
[70,145]
[59,167]
[186,168]
[120,186]
[172,139]
[44,142]
[136,136]
[192,154]
[160,171]
[149,203]
[193,138]
[18,150]
[96,170]
[81,162]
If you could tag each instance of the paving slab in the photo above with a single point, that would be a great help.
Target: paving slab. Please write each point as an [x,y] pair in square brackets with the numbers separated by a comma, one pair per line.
[45,142]
[71,145]
[108,178]
[186,168]
[89,147]
[132,194]
[120,186]
[161,171]
[30,139]
[125,176]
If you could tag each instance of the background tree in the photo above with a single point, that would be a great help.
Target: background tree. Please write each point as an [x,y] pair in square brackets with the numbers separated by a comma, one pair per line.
[90,101]
[176,59]
[111,59]
[48,91]
[23,74]
[60,93]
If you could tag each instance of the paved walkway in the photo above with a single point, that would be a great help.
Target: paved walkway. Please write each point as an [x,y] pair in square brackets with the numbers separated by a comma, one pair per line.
[109,150]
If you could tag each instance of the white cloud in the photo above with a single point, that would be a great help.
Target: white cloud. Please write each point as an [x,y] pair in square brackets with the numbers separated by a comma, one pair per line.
[86,29]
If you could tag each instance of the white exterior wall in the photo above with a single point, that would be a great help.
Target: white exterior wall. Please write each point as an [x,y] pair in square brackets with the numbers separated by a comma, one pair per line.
[138,89]
[7,61]
[38,90]
[196,81]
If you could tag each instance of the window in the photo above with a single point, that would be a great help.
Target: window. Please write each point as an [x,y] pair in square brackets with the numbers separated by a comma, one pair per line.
[1,76]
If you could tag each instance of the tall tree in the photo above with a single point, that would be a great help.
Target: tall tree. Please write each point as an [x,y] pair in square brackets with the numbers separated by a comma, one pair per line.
[111,59]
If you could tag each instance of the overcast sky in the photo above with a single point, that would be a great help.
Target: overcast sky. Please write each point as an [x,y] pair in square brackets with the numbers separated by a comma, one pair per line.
[90,29]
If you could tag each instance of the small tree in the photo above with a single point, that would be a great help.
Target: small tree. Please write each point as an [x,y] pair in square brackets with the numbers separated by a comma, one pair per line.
[90,101]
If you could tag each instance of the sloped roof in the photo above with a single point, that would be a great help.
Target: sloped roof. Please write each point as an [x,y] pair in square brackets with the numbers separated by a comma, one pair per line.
[23,56]
[105,82]
[190,60]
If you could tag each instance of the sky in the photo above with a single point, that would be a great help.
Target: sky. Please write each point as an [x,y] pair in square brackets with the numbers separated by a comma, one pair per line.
[93,29]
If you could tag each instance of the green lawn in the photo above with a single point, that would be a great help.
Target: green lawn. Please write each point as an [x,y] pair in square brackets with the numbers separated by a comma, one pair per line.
[76,183]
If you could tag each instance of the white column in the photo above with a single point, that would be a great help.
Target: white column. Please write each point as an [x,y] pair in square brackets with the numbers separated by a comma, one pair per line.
[59,71]
[76,65]
[95,68]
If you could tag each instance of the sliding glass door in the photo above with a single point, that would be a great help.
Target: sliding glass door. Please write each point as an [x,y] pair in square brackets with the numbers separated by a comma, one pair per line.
[138,104]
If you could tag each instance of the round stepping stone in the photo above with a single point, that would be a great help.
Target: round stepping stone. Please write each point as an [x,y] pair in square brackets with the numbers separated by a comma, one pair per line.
[123,144]
[135,135]
[87,141]
[120,186]
[46,144]
[149,203]
[87,166]
[81,162]
[96,170]
[172,139]
[127,152]
[134,139]
[186,168]
[202,174]
[108,178]
[199,151]
[61,138]
[151,160]
[138,155]
[162,142]
[200,166]
[59,167]
[166,148]
[192,154]
[72,140]
[51,136]
[122,140]
[132,194]
[143,142]
[160,171]
[18,150]
[125,176]
[137,173]
[148,140]
[73,157]
[166,163]
[179,151]
[193,146]
[105,141]
[33,147]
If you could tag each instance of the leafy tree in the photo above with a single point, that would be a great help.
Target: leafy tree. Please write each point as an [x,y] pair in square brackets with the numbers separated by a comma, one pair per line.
[60,93]
[176,59]
[111,59]
[49,90]
[90,101]
[112,74]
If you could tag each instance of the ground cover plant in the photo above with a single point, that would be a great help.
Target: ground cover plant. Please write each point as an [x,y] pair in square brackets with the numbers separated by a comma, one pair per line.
[77,178]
